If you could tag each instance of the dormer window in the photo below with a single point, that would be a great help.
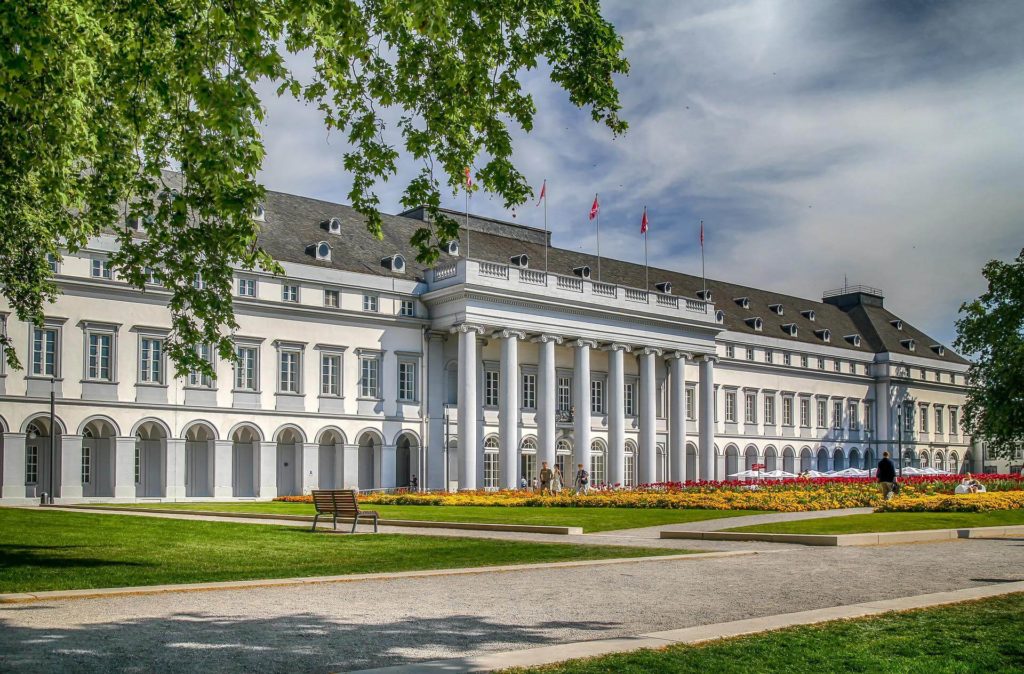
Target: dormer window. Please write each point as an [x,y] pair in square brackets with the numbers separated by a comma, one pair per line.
[776,308]
[824,335]
[808,314]
[320,251]
[395,263]
[522,260]
[898,324]
[704,295]
[790,329]
[664,287]
[744,302]
[853,339]
[756,323]
[939,349]
[259,214]
[720,316]
[908,344]
[451,247]
[582,272]
[332,226]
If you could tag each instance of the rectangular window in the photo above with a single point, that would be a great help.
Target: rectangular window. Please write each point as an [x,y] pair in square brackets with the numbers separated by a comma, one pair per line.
[369,377]
[837,365]
[289,293]
[630,470]
[407,380]
[289,371]
[787,359]
[924,374]
[691,412]
[630,399]
[805,413]
[245,368]
[332,299]
[868,410]
[787,411]
[938,420]
[490,470]
[86,464]
[837,414]
[408,308]
[769,409]
[803,361]
[852,413]
[196,378]
[730,407]
[596,397]
[101,269]
[821,363]
[750,353]
[529,391]
[491,383]
[151,356]
[99,357]
[954,428]
[197,282]
[330,374]
[247,287]
[44,352]
[822,414]
[908,418]
[371,303]
[151,278]
[31,464]
[564,394]
[750,408]
[730,351]
[768,356]
[51,260]
[924,418]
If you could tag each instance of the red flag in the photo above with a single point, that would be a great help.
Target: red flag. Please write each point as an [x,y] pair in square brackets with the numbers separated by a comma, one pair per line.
[543,192]
[643,222]
[595,208]
[701,233]
[469,179]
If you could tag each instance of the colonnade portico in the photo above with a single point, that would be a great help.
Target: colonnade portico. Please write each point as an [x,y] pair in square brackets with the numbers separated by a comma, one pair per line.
[650,358]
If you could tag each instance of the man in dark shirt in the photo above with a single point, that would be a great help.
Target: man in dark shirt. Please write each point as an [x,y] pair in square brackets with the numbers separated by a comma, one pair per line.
[886,475]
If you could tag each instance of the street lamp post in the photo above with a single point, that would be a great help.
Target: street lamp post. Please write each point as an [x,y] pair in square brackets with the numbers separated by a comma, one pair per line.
[899,435]
[444,455]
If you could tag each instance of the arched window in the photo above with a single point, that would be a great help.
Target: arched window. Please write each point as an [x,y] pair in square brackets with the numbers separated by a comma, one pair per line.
[563,457]
[491,463]
[528,459]
[630,476]
[597,463]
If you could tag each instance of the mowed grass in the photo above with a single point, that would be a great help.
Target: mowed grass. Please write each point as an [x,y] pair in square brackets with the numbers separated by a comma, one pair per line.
[57,550]
[591,519]
[982,636]
[878,522]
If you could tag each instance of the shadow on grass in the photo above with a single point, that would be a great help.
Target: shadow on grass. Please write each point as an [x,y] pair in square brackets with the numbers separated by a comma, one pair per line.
[307,642]
[15,556]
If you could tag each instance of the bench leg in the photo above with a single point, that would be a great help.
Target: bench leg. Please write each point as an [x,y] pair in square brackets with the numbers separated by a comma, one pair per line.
[355,521]
[375,529]
[335,521]
[315,518]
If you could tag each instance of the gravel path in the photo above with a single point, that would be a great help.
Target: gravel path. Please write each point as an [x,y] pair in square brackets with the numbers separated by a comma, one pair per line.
[732,522]
[357,625]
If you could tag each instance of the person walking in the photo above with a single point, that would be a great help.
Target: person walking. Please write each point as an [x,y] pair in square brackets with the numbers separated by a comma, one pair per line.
[556,481]
[546,475]
[886,475]
[582,481]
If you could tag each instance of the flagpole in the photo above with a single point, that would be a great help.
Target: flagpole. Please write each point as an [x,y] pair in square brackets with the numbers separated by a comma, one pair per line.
[546,234]
[598,237]
[703,275]
[647,268]
[467,213]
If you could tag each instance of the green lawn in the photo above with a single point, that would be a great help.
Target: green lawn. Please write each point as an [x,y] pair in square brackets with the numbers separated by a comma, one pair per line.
[982,636]
[876,522]
[59,550]
[591,519]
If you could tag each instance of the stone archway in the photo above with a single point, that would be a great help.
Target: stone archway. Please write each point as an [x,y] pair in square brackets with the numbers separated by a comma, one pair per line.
[245,461]
[150,459]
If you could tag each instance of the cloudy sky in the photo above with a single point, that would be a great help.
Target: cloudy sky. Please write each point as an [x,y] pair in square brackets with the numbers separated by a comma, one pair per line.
[878,141]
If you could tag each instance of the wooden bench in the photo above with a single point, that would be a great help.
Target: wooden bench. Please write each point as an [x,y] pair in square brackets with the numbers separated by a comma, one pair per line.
[340,503]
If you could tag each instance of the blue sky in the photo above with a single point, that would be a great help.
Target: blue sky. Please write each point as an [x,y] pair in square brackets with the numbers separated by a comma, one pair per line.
[878,140]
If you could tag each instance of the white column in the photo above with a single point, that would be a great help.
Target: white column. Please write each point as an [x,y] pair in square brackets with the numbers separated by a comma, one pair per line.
[70,448]
[647,462]
[706,451]
[268,469]
[175,475]
[468,408]
[677,417]
[14,466]
[124,467]
[546,402]
[350,467]
[310,467]
[508,408]
[581,397]
[388,463]
[616,415]
[223,468]
[436,376]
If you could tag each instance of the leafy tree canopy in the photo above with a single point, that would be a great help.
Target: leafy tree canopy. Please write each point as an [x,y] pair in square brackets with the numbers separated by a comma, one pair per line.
[97,97]
[992,329]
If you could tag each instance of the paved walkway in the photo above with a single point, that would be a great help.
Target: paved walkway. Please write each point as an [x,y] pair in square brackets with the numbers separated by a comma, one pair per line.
[732,522]
[375,623]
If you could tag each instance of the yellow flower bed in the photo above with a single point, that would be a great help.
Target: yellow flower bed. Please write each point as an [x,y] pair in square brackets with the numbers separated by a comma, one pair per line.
[956,503]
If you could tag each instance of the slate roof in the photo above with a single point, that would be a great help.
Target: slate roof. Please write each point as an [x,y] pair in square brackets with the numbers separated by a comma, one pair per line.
[292,223]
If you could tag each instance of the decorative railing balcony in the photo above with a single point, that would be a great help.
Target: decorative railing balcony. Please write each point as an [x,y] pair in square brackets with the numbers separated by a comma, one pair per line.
[569,287]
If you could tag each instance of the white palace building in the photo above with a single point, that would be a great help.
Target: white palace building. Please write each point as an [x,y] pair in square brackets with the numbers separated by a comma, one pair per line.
[360,369]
